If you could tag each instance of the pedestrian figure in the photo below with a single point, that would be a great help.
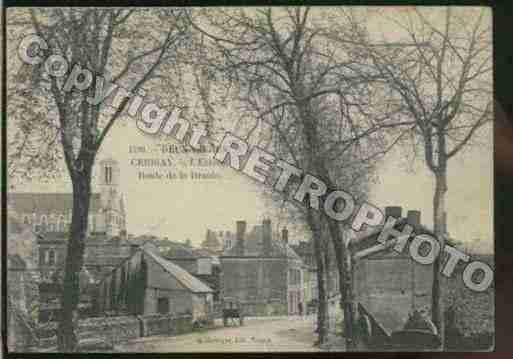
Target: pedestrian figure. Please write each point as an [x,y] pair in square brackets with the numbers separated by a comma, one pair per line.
[300,307]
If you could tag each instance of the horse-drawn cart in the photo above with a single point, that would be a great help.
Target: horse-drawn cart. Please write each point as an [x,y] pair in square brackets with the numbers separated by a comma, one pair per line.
[232,311]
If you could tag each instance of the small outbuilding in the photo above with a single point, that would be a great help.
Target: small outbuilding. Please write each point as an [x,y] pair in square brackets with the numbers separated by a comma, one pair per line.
[389,286]
[146,283]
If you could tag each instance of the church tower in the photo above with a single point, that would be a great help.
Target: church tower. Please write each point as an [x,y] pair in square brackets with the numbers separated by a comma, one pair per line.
[110,196]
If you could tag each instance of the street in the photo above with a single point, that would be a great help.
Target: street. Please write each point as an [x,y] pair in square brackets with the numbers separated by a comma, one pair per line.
[293,333]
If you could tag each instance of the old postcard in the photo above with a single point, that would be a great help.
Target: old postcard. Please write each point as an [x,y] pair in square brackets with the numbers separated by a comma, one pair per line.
[249,179]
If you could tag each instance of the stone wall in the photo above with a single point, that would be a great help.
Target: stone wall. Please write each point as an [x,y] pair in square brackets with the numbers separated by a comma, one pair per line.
[117,329]
[113,329]
[254,279]
[165,324]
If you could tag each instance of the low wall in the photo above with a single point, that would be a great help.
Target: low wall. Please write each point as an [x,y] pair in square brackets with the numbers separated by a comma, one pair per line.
[165,324]
[113,329]
[154,324]
[120,328]
[264,308]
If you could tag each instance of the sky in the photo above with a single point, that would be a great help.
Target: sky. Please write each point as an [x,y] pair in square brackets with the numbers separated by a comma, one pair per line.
[184,209]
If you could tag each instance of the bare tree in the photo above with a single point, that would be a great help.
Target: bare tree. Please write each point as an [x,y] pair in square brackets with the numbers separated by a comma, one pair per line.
[313,93]
[443,83]
[103,41]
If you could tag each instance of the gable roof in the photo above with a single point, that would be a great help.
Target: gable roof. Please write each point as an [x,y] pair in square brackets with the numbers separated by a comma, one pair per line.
[187,280]
[366,241]
[253,246]
[47,203]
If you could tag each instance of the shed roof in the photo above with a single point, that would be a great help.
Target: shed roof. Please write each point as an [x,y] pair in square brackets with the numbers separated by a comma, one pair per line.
[189,281]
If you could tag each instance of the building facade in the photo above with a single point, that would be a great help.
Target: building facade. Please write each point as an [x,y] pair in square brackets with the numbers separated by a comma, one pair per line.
[40,229]
[389,285]
[51,212]
[146,284]
[263,272]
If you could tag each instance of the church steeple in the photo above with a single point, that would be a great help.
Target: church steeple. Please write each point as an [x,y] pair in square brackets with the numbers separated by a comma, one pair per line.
[109,180]
[110,196]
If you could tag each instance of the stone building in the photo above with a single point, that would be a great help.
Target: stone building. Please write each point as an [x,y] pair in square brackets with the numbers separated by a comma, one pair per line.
[146,283]
[217,241]
[263,272]
[212,242]
[21,290]
[45,219]
[51,212]
[389,285]
[198,262]
[23,273]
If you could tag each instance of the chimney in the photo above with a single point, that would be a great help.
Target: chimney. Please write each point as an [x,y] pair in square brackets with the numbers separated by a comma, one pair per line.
[285,235]
[266,237]
[413,218]
[394,211]
[241,228]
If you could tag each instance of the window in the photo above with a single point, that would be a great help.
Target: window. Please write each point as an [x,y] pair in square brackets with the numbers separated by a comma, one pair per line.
[163,305]
[62,223]
[108,174]
[51,257]
[51,223]
[43,222]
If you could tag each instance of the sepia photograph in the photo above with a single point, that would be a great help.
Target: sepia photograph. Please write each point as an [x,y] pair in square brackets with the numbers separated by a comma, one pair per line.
[249,179]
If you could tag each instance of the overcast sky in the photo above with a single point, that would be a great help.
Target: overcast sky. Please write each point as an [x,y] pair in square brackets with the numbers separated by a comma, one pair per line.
[185,209]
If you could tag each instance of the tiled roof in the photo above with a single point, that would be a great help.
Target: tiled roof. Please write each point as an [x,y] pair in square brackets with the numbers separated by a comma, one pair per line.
[253,245]
[189,281]
[47,202]
[368,238]
[180,251]
[104,260]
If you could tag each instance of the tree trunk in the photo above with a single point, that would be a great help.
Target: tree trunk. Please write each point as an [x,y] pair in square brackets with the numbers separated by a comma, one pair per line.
[344,279]
[437,304]
[318,164]
[66,335]
[322,309]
